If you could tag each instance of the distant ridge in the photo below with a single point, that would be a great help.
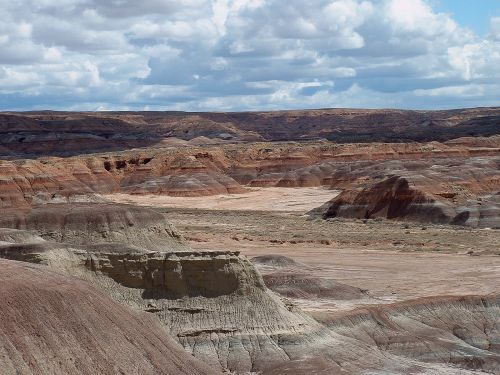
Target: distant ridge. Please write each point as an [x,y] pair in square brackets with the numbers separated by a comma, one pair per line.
[32,134]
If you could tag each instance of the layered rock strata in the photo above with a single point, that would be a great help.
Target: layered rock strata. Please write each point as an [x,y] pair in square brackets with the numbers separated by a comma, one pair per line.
[66,133]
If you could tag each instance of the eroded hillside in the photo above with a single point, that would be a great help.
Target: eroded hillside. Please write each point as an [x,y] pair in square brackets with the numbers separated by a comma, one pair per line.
[373,238]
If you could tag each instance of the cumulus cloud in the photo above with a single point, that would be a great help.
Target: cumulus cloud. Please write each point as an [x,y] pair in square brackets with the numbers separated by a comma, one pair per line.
[241,55]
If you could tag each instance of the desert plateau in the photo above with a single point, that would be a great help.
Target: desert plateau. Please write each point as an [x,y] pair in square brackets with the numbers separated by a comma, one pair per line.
[246,246]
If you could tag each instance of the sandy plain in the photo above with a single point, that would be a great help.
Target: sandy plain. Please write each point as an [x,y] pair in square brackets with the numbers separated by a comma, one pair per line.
[255,199]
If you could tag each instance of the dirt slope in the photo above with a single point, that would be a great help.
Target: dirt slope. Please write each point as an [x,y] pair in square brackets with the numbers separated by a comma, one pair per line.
[57,325]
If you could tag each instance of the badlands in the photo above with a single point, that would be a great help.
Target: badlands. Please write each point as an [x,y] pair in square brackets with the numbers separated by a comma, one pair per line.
[299,242]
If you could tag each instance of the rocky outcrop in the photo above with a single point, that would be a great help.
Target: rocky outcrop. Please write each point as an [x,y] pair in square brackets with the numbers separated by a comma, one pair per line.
[217,307]
[392,198]
[405,198]
[177,274]
[57,325]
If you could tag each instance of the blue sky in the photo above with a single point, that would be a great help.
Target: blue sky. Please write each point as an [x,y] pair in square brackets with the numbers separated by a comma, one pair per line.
[475,14]
[233,55]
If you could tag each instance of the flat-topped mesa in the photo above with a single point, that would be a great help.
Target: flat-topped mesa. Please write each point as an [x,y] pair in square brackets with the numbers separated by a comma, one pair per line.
[98,223]
[178,274]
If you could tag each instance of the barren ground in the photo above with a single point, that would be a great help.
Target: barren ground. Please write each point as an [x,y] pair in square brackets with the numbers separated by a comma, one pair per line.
[392,261]
[256,199]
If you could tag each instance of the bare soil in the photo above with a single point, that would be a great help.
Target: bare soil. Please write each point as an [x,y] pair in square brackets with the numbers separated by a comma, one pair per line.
[255,199]
[392,261]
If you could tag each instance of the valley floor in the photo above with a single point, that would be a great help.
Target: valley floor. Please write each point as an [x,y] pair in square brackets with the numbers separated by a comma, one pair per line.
[392,261]
[254,199]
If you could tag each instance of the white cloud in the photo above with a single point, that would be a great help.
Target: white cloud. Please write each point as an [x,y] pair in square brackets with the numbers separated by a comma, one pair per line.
[241,54]
[417,16]
[455,91]
[495,28]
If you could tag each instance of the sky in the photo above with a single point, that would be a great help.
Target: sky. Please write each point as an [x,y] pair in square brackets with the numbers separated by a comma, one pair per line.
[470,13]
[239,55]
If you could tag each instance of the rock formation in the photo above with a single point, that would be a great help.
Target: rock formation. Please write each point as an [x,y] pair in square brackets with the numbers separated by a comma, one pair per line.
[460,175]
[217,307]
[122,274]
[429,197]
[54,324]
[214,303]
[66,133]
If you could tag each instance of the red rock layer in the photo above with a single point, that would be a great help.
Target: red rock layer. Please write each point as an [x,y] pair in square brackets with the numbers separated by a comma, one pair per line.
[217,169]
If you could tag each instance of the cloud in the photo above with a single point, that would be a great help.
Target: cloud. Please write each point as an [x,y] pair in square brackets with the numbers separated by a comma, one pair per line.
[495,28]
[241,55]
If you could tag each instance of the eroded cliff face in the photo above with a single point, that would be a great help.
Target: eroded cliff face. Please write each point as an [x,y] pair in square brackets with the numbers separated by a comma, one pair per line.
[214,304]
[407,199]
[176,275]
[453,191]
[455,172]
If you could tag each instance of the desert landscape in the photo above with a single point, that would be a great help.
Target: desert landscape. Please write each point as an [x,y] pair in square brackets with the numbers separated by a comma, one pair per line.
[294,242]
